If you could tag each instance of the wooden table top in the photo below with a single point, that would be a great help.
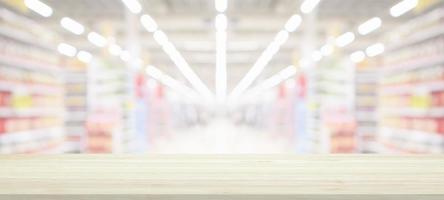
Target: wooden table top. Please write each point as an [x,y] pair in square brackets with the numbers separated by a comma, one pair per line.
[222,176]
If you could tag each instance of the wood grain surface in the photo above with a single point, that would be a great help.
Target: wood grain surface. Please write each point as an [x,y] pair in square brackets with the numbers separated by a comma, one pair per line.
[221,177]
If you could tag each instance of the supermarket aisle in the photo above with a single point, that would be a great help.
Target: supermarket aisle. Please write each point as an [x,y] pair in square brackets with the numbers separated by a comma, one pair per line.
[221,136]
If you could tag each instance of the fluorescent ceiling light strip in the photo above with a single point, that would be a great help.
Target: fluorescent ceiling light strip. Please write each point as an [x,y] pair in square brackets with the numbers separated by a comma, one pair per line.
[375,50]
[403,7]
[133,6]
[260,64]
[97,39]
[357,56]
[345,39]
[149,23]
[309,5]
[39,7]
[370,26]
[275,80]
[221,58]
[221,5]
[293,23]
[84,56]
[170,82]
[67,50]
[72,26]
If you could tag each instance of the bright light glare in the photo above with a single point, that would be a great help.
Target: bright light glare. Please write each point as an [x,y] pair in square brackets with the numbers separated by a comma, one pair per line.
[221,66]
[97,39]
[345,39]
[148,23]
[276,79]
[403,7]
[309,5]
[221,5]
[72,25]
[221,22]
[160,37]
[170,82]
[375,50]
[357,56]
[114,50]
[281,37]
[327,50]
[133,6]
[316,56]
[84,56]
[39,7]
[67,50]
[293,23]
[370,26]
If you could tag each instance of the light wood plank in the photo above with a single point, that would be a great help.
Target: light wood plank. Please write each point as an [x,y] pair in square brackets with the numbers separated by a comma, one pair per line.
[222,176]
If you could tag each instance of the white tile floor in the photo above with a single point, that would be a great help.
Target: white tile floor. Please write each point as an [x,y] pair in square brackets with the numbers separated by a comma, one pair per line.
[222,137]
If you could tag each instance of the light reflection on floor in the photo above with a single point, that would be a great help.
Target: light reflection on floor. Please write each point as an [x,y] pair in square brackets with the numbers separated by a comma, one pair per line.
[222,137]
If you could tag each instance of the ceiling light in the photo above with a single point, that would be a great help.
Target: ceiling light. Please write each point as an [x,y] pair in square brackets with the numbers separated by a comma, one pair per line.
[67,50]
[72,25]
[316,56]
[370,26]
[97,39]
[309,5]
[403,7]
[327,50]
[281,37]
[148,23]
[375,50]
[160,37]
[84,56]
[357,56]
[114,50]
[221,5]
[221,22]
[170,82]
[133,6]
[39,7]
[293,23]
[345,39]
[276,79]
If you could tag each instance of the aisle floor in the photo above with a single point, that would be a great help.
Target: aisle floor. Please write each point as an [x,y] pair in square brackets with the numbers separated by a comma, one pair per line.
[222,137]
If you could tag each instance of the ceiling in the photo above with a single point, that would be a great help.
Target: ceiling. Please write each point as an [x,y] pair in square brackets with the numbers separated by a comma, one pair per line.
[189,25]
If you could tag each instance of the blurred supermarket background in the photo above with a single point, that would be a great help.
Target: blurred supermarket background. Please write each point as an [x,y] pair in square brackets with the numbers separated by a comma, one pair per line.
[236,76]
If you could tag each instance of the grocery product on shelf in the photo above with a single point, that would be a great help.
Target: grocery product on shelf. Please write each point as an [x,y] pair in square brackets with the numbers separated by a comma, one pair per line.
[76,106]
[366,100]
[412,87]
[31,92]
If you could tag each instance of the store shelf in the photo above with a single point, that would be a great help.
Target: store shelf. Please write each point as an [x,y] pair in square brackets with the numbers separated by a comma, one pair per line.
[29,65]
[32,88]
[417,38]
[419,63]
[31,112]
[413,112]
[34,134]
[409,88]
[23,37]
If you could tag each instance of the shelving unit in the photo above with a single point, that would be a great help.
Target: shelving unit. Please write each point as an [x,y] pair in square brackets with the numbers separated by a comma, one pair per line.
[31,93]
[366,100]
[412,87]
[76,106]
